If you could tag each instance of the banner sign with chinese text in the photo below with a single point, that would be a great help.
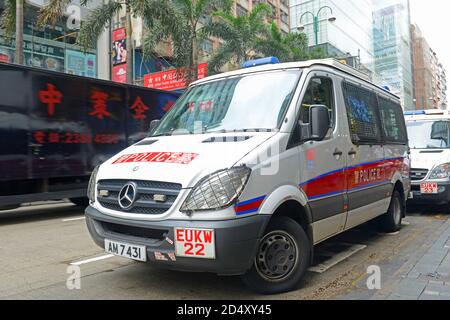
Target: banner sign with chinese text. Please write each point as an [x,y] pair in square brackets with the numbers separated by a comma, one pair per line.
[172,79]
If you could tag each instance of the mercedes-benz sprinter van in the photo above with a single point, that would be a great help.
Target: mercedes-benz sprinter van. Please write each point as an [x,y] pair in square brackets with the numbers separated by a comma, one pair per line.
[429,140]
[251,169]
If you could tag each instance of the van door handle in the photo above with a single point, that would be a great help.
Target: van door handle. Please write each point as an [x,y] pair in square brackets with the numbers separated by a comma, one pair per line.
[352,153]
[337,152]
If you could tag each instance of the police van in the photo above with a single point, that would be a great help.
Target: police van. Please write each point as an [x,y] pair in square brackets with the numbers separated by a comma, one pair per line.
[251,169]
[429,140]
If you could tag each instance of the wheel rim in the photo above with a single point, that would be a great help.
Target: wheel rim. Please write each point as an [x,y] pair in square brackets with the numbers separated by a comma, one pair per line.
[397,211]
[277,256]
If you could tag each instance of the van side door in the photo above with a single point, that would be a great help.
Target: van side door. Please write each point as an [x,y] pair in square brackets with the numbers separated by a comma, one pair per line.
[322,163]
[365,174]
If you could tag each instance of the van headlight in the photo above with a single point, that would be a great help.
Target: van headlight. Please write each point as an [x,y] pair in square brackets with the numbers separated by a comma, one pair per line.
[440,172]
[91,185]
[218,190]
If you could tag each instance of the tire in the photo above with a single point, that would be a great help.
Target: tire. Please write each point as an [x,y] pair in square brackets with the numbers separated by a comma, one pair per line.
[81,202]
[391,221]
[289,235]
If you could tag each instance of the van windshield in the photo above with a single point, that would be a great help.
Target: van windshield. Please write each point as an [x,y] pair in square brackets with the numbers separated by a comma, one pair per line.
[253,102]
[429,134]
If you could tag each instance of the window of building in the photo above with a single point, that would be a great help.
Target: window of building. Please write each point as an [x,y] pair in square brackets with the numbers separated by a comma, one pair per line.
[207,46]
[241,11]
[362,112]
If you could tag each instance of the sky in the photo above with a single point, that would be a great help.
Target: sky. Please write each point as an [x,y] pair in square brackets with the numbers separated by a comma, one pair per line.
[433,18]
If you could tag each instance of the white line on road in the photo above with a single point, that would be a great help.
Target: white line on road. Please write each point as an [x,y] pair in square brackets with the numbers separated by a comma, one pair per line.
[73,219]
[337,258]
[79,263]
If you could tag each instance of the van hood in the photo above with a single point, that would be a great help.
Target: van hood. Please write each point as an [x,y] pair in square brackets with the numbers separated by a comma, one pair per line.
[183,159]
[429,158]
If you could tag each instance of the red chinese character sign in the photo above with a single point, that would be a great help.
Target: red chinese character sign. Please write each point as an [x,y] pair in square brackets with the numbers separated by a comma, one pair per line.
[139,109]
[50,97]
[99,101]
[171,79]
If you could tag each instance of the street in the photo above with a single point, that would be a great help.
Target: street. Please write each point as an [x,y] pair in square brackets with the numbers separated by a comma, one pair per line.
[39,242]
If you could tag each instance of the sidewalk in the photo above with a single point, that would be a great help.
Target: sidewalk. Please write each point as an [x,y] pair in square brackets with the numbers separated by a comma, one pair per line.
[429,277]
[420,272]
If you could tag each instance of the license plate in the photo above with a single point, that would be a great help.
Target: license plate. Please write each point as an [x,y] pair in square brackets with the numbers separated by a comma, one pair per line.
[126,250]
[195,243]
[428,188]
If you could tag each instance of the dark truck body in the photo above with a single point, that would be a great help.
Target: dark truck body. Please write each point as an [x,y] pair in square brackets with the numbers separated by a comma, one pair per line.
[55,128]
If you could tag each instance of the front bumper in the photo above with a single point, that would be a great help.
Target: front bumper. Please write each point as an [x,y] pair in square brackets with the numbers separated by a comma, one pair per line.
[442,197]
[236,240]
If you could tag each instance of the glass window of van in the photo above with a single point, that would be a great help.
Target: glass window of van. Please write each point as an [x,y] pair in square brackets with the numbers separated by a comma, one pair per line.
[429,134]
[251,102]
[392,120]
[318,92]
[362,112]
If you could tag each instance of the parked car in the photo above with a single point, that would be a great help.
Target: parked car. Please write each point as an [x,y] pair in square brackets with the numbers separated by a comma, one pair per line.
[251,169]
[429,139]
[55,128]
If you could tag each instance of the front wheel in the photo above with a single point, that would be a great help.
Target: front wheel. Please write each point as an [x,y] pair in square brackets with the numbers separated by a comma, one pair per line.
[282,258]
[391,221]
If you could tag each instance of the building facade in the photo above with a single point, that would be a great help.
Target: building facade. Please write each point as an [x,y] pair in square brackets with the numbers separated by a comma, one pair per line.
[161,59]
[423,73]
[350,35]
[52,47]
[393,48]
[429,74]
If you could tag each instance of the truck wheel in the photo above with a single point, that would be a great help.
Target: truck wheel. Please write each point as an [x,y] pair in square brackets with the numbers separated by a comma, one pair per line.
[391,221]
[282,258]
[81,202]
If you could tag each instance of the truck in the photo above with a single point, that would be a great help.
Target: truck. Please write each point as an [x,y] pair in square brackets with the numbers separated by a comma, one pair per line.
[55,128]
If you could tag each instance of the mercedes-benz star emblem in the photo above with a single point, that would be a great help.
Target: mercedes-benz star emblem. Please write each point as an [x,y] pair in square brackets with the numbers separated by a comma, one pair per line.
[127,196]
[136,168]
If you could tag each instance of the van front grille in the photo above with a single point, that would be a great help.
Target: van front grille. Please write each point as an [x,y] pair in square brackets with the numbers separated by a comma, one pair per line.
[418,174]
[152,197]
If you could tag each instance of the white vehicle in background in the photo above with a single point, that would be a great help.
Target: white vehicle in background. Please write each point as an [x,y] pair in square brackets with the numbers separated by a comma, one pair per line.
[251,169]
[429,140]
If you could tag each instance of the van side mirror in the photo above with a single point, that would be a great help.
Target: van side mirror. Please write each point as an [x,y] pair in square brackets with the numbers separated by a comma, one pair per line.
[153,125]
[319,117]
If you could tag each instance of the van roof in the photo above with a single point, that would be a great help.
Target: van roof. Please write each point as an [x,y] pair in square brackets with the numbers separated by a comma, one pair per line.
[332,63]
[427,115]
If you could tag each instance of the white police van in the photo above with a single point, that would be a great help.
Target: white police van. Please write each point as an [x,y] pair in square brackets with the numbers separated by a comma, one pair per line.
[250,169]
[429,140]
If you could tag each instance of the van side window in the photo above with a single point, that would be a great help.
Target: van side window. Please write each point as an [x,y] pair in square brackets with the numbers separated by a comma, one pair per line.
[392,121]
[319,91]
[362,112]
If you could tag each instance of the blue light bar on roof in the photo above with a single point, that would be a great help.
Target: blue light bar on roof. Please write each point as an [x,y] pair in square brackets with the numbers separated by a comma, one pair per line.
[260,62]
[415,113]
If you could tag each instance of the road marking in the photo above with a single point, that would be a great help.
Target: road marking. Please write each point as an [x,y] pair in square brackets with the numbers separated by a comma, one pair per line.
[337,258]
[431,293]
[79,263]
[73,219]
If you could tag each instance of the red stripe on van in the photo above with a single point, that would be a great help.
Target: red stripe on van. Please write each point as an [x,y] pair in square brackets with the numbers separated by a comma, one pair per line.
[355,177]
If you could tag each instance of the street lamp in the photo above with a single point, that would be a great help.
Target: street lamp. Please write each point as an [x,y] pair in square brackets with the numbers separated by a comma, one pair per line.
[301,27]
